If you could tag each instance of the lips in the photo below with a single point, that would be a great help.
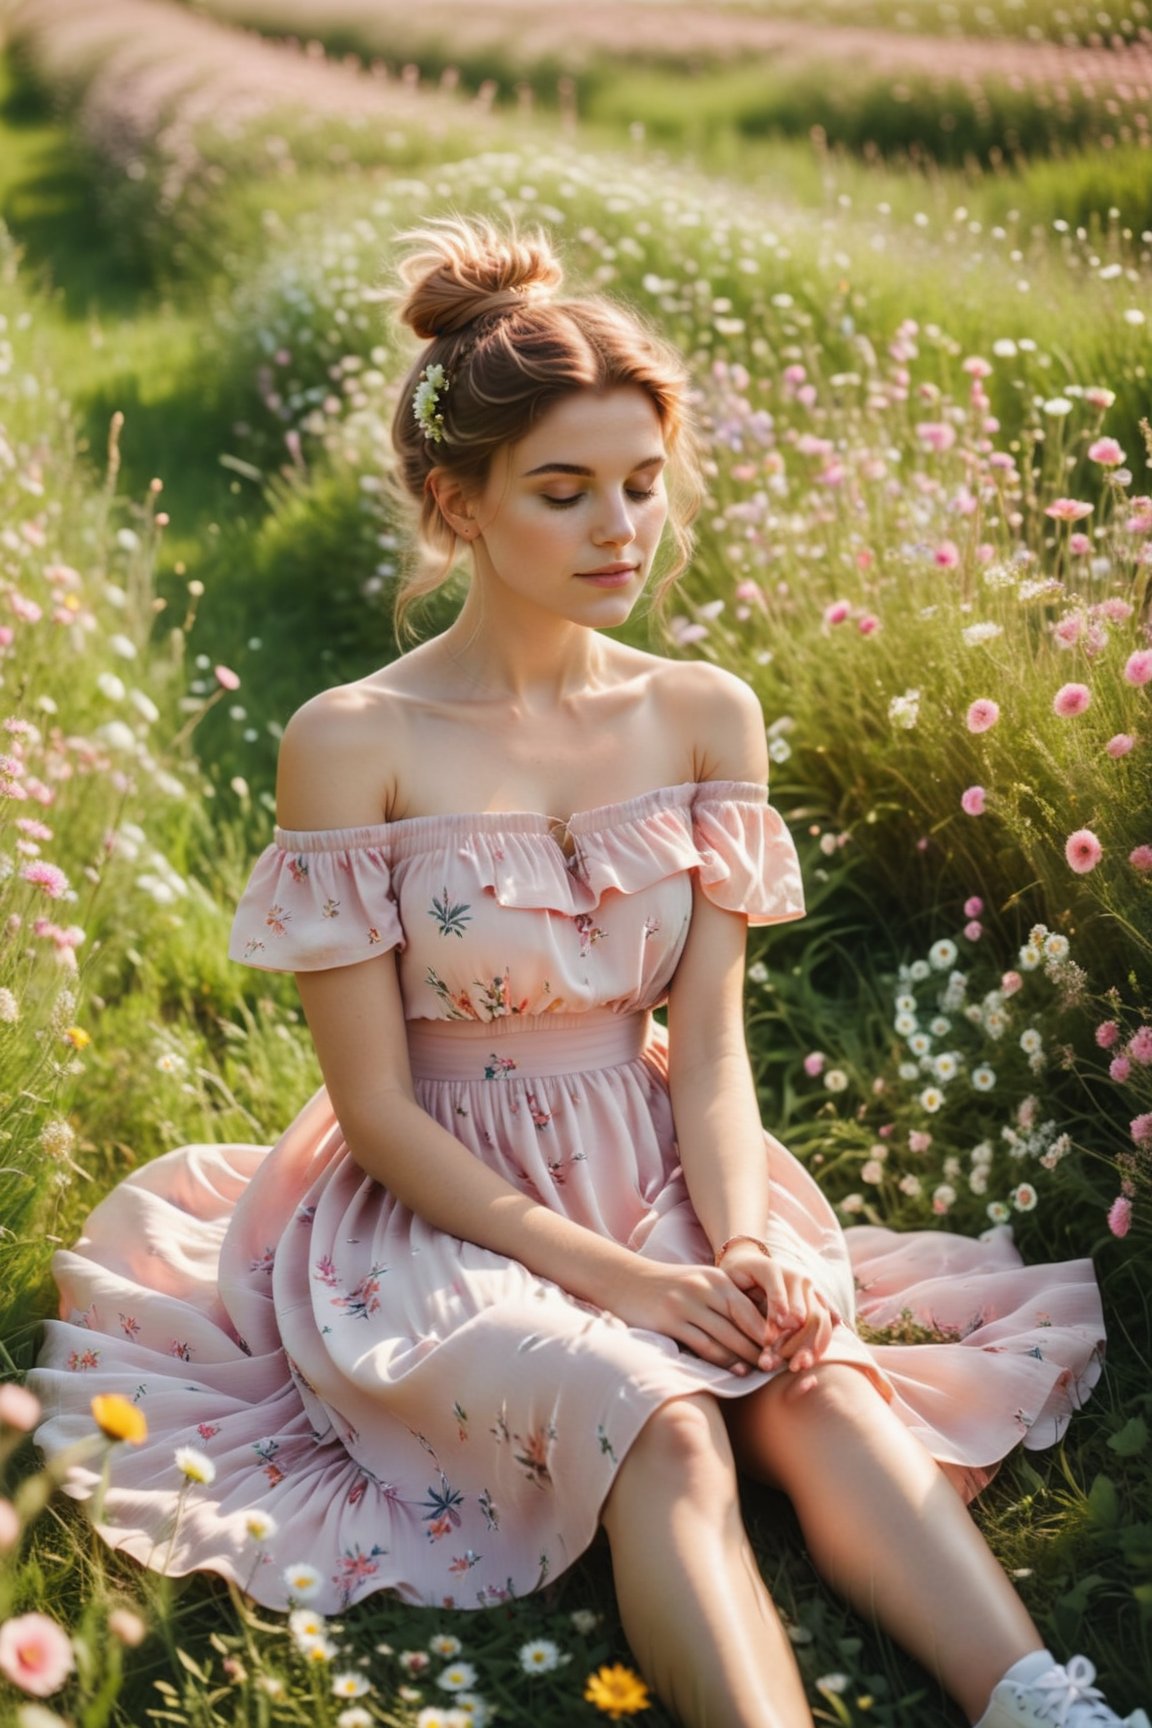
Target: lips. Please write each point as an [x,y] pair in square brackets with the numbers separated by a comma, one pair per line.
[609,575]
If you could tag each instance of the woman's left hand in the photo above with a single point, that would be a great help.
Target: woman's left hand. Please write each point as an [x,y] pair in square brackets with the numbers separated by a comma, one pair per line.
[798,1318]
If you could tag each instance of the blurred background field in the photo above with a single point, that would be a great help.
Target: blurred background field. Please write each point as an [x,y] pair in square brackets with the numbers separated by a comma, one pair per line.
[908,248]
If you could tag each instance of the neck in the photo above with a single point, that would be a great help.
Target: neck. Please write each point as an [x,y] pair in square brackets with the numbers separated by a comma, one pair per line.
[521,654]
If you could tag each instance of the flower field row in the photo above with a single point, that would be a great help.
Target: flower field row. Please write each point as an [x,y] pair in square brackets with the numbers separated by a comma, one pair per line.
[865,75]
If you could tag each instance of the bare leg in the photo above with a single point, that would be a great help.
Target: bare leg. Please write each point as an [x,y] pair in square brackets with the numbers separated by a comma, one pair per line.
[884,1525]
[698,1618]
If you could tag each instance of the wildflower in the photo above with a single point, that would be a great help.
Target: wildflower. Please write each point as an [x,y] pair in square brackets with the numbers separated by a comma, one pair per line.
[945,1066]
[444,1644]
[1106,1034]
[931,1099]
[433,1717]
[910,1184]
[1140,858]
[1083,851]
[226,678]
[57,1137]
[904,711]
[973,906]
[972,802]
[317,1649]
[973,930]
[196,1466]
[584,1621]
[1138,667]
[974,634]
[356,1717]
[1119,745]
[814,1064]
[117,1419]
[35,1654]
[47,876]
[617,1691]
[872,1172]
[1024,1197]
[539,1657]
[171,1062]
[19,1408]
[306,1624]
[9,1526]
[942,954]
[1056,947]
[457,1677]
[836,612]
[1071,699]
[1107,452]
[1030,1041]
[1140,1129]
[1119,1069]
[414,1662]
[350,1685]
[1067,510]
[77,1037]
[9,1008]
[836,1080]
[998,1212]
[918,1141]
[260,1526]
[983,1078]
[1120,1215]
[833,1683]
[303,1581]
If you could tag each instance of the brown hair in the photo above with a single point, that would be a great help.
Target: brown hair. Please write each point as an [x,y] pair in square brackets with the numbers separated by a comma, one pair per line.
[481,300]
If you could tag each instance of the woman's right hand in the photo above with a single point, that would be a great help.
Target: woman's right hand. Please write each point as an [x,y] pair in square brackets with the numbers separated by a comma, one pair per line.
[699,1307]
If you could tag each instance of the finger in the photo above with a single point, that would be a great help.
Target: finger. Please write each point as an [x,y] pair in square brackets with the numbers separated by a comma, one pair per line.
[735,1353]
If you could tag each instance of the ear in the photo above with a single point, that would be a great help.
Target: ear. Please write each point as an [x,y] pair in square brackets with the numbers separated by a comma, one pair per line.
[455,503]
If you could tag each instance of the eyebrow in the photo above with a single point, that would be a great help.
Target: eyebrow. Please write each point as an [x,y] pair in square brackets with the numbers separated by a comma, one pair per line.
[587,473]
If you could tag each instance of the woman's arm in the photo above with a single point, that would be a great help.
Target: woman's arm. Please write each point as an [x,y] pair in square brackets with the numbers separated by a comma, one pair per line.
[724,1151]
[356,1017]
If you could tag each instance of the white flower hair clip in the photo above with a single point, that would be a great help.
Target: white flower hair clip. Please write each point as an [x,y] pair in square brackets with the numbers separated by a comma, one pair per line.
[426,403]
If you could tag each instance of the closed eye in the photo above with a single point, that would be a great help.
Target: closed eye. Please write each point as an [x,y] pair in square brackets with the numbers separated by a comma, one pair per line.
[640,495]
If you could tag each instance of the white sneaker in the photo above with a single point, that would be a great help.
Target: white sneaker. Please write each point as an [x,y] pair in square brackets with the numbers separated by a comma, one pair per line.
[1038,1692]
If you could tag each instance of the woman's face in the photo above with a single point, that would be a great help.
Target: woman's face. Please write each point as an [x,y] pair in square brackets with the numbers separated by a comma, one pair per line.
[570,518]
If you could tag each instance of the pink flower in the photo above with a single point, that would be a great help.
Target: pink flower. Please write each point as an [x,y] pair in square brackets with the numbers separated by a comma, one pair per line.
[973,930]
[947,555]
[1107,452]
[1079,545]
[1067,510]
[35,1654]
[972,801]
[1138,667]
[1083,851]
[1119,745]
[19,1408]
[868,624]
[1106,1034]
[47,876]
[814,1064]
[837,612]
[1141,1129]
[1140,1046]
[973,906]
[1119,1069]
[225,677]
[1071,699]
[1099,396]
[983,714]
[936,434]
[1068,630]
[1140,858]
[1011,982]
[919,1140]
[1120,1215]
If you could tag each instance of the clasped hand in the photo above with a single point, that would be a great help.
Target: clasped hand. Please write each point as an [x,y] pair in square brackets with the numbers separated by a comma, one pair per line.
[751,1312]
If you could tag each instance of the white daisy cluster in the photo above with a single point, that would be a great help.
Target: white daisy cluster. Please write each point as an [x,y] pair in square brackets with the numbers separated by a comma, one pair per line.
[1052,951]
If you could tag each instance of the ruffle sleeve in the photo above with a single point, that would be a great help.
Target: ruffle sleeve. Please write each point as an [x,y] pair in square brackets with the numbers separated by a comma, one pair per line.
[746,857]
[317,898]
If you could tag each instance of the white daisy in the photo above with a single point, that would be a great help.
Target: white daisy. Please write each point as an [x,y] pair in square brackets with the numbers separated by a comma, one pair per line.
[196,1465]
[350,1685]
[457,1678]
[983,1078]
[303,1581]
[539,1657]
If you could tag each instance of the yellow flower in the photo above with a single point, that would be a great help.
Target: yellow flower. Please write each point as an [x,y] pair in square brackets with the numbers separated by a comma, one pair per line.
[117,1419]
[78,1038]
[617,1691]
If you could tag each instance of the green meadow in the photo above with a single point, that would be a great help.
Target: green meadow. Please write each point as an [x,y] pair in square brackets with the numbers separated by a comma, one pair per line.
[922,355]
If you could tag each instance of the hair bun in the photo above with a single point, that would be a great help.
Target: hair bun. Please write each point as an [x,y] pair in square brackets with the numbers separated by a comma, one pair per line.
[460,271]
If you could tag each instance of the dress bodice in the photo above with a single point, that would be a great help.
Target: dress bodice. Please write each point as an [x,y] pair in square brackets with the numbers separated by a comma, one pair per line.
[492,915]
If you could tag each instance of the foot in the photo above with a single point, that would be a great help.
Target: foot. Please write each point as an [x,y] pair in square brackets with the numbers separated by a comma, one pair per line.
[1041,1693]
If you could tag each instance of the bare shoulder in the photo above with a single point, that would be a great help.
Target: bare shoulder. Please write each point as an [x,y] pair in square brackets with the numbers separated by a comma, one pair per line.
[718,718]
[332,767]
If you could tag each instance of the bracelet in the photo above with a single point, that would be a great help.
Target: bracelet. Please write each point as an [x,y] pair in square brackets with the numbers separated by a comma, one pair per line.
[731,1243]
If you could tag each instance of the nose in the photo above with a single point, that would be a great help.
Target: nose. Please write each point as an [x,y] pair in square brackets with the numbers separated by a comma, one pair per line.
[615,526]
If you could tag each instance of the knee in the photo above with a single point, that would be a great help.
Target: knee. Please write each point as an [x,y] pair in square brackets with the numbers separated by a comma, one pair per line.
[830,1392]
[685,1443]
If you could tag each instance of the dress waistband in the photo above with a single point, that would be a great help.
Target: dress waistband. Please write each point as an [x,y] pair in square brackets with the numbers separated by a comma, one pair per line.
[525,1048]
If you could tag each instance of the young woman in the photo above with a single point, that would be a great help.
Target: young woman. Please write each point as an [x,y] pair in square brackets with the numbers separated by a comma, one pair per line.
[527,1264]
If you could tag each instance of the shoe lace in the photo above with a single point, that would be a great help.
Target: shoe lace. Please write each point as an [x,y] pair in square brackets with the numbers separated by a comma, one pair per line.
[1067,1698]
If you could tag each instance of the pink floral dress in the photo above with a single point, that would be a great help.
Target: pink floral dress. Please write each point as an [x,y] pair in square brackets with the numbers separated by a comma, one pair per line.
[418,1413]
